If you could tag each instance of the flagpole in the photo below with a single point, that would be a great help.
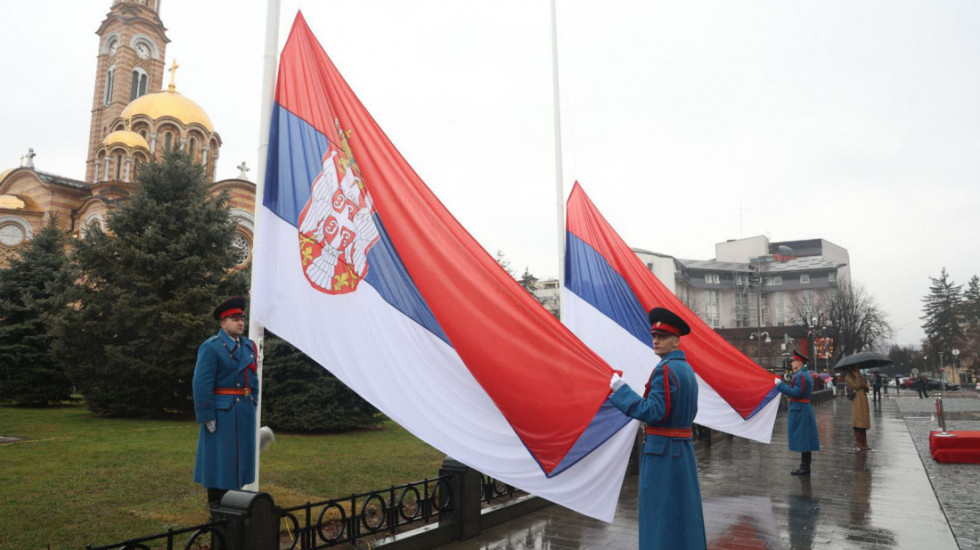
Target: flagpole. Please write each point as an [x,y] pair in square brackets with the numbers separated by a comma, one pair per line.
[559,187]
[269,66]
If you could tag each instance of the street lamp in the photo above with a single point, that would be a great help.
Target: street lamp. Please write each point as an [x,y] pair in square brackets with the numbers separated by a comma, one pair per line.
[759,347]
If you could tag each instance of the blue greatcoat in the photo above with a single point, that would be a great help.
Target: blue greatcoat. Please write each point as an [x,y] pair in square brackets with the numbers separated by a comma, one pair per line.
[802,423]
[225,458]
[670,495]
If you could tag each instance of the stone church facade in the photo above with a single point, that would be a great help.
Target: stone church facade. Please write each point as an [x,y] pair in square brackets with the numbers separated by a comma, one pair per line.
[131,124]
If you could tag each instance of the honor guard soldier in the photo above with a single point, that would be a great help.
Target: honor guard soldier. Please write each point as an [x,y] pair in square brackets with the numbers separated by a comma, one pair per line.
[670,495]
[225,396]
[802,424]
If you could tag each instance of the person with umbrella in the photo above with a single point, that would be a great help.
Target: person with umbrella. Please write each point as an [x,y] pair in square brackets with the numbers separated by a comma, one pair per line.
[857,391]
[803,435]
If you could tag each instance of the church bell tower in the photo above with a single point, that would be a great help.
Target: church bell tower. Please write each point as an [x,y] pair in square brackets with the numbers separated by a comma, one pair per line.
[131,55]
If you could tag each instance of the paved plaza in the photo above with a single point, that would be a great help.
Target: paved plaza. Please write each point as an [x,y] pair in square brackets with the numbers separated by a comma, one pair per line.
[894,496]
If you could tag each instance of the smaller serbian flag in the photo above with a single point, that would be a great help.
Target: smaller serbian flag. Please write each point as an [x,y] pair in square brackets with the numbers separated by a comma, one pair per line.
[608,292]
[363,269]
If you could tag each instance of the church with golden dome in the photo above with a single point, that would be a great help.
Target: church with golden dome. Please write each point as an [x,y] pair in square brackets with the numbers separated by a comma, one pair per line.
[131,125]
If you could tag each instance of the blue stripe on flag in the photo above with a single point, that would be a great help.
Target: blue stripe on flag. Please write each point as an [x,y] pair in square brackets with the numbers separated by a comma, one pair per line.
[295,159]
[589,275]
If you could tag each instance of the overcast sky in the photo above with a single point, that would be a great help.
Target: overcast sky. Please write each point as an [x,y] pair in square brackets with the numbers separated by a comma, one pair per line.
[688,123]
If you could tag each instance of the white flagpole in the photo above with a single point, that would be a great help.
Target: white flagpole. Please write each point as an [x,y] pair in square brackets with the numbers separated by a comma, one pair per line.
[270,64]
[559,187]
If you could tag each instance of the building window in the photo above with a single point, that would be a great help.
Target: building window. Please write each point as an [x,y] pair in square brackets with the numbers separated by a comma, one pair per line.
[190,150]
[831,277]
[711,315]
[138,87]
[109,76]
[118,167]
[741,279]
[650,266]
[167,141]
[805,279]
[741,309]
[774,281]
[712,278]
[764,306]
[780,313]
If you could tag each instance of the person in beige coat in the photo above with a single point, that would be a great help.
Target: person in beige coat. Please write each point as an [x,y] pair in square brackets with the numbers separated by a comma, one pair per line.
[860,410]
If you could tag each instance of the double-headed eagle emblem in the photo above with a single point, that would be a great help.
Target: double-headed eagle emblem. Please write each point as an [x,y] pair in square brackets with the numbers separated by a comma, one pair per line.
[336,228]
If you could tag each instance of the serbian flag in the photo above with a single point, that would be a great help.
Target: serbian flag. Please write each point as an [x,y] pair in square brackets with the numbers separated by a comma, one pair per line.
[362,268]
[607,294]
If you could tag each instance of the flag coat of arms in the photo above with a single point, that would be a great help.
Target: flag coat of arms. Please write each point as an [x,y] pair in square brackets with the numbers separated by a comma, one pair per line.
[361,267]
[607,294]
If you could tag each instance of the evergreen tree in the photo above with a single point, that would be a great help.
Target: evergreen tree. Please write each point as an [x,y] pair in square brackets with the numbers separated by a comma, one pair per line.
[32,291]
[528,281]
[942,305]
[147,289]
[298,395]
[971,302]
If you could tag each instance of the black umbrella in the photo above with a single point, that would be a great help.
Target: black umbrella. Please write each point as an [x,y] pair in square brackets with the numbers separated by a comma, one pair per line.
[864,359]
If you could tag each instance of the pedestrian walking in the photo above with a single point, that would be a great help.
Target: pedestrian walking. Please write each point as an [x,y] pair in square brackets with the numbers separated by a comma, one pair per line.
[670,496]
[876,387]
[801,422]
[920,385]
[857,392]
[225,396]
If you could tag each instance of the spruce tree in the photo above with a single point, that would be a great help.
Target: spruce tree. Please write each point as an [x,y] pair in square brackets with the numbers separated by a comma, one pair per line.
[32,292]
[941,309]
[971,302]
[298,395]
[147,287]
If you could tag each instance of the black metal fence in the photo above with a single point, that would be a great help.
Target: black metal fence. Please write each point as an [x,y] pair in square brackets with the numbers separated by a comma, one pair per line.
[331,522]
[450,507]
[187,538]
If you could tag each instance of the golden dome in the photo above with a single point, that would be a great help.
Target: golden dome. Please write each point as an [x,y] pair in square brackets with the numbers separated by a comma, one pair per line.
[5,173]
[127,138]
[168,103]
[11,202]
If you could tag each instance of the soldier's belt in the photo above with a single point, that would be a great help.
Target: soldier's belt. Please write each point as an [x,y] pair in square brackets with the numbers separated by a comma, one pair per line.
[232,391]
[799,400]
[669,432]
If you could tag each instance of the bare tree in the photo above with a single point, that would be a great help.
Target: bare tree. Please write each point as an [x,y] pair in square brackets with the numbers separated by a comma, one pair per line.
[858,322]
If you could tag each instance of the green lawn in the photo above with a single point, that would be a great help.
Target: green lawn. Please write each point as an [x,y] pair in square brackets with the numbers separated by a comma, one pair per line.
[78,479]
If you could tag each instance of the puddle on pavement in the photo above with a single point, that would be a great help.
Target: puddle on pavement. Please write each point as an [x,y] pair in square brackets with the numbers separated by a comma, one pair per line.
[950,415]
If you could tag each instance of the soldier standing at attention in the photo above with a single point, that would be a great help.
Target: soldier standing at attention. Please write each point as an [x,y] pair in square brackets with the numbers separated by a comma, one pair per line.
[670,495]
[803,435]
[225,397]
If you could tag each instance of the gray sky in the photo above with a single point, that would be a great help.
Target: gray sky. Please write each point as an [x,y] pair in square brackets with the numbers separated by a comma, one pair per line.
[688,123]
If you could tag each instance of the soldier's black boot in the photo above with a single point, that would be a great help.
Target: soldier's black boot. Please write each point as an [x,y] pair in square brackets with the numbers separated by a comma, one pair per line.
[804,469]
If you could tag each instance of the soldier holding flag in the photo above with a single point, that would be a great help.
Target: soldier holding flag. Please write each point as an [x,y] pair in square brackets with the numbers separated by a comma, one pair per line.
[803,435]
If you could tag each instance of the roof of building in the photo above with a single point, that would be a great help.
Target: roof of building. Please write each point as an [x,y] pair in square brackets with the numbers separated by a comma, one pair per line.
[808,263]
[60,180]
[168,103]
[126,138]
[642,251]
[714,265]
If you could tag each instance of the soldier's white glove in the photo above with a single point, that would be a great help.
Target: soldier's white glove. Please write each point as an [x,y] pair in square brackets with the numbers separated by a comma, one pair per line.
[616,382]
[211,425]
[776,381]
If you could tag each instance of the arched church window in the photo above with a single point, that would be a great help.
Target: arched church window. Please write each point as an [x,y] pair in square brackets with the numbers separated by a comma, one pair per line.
[118,166]
[241,249]
[167,141]
[138,86]
[190,151]
[109,77]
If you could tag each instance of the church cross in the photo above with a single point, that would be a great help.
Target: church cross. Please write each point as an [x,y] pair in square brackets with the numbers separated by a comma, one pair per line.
[173,72]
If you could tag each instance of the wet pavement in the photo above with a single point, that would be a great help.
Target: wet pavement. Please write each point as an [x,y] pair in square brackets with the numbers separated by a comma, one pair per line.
[894,496]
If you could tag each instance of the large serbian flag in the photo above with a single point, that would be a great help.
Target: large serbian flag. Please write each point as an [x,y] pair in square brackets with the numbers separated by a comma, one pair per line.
[607,294]
[362,268]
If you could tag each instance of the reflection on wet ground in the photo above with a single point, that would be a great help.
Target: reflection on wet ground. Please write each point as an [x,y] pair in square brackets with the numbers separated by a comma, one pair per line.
[853,500]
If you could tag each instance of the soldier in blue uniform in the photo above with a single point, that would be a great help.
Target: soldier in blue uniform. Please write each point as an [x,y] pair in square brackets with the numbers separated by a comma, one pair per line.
[670,495]
[225,397]
[803,435]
